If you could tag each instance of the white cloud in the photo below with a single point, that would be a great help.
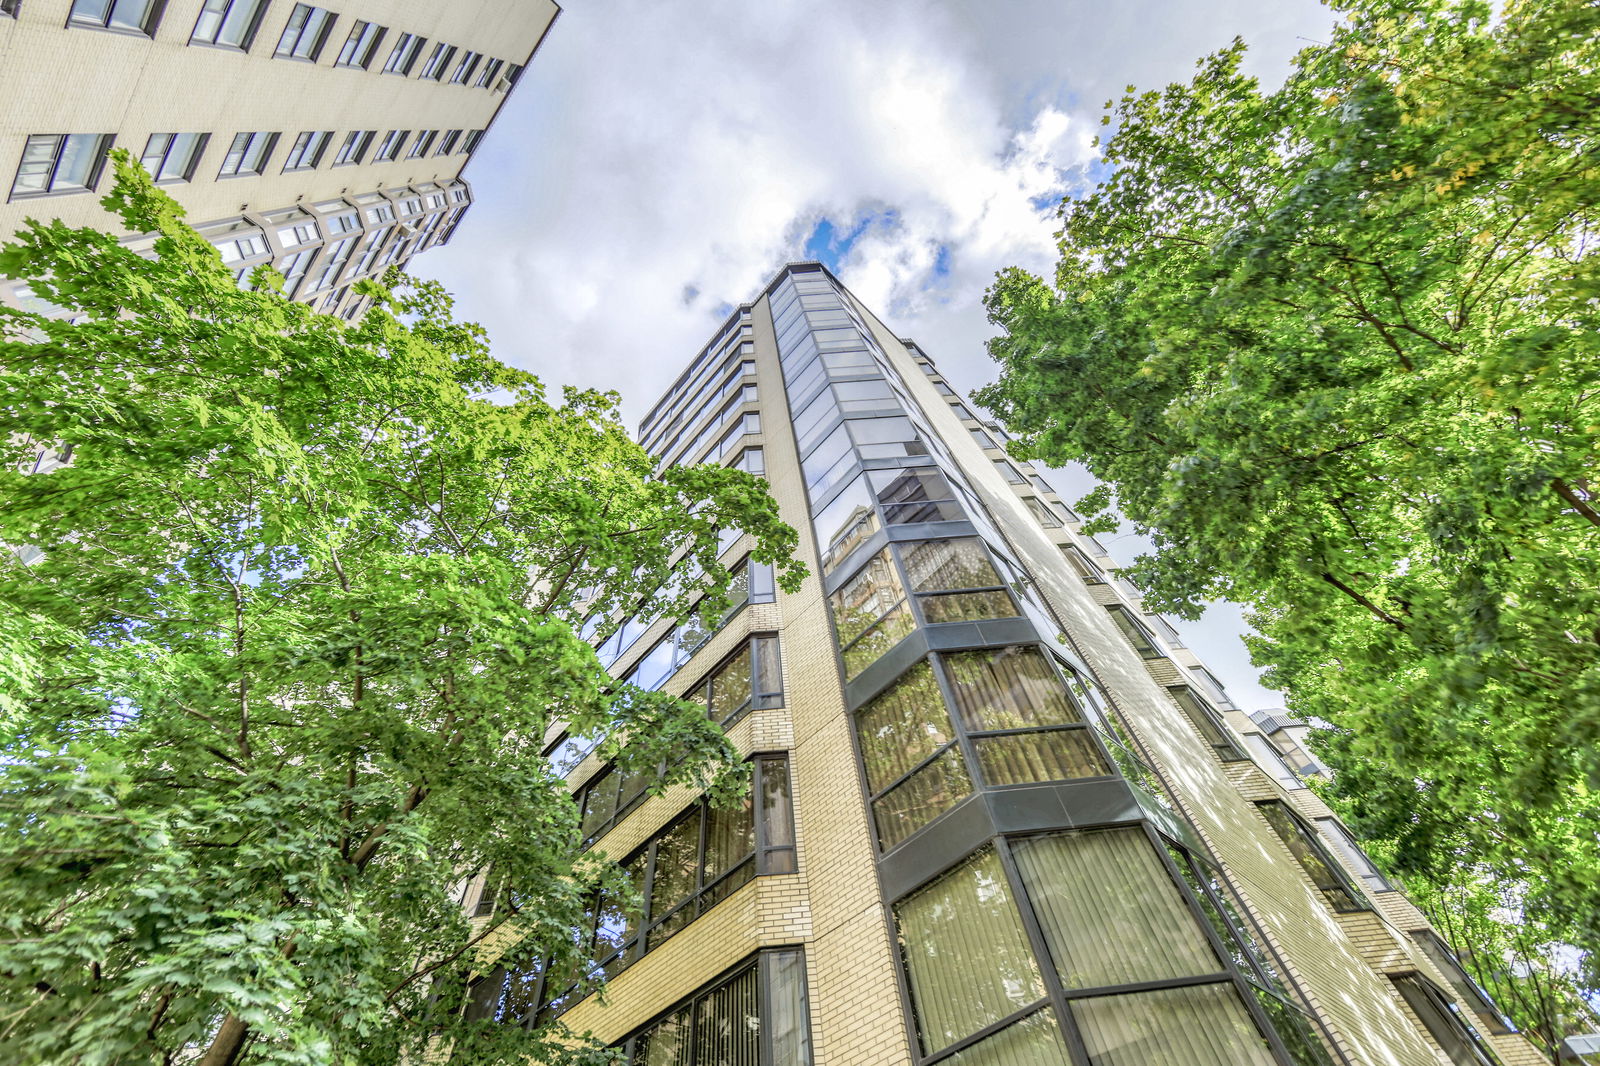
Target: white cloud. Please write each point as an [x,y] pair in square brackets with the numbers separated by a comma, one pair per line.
[654,152]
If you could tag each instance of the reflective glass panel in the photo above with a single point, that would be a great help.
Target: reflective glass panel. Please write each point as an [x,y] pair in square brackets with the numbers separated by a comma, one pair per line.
[902,726]
[1109,911]
[1008,688]
[1199,1025]
[966,957]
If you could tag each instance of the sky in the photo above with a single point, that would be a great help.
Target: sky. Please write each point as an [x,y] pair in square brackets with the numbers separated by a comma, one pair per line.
[659,162]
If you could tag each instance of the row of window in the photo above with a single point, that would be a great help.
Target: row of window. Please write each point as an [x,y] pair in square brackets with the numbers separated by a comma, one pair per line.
[697,860]
[347,251]
[748,582]
[756,1017]
[54,163]
[683,401]
[749,679]
[234,24]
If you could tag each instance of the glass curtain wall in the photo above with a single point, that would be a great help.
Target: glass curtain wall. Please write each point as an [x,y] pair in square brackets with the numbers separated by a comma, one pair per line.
[1150,963]
[1082,946]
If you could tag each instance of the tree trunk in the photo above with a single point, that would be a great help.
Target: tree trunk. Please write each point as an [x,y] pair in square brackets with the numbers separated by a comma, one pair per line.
[226,1045]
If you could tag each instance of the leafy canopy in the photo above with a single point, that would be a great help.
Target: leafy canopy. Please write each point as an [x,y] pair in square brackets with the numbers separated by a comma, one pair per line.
[1336,349]
[304,615]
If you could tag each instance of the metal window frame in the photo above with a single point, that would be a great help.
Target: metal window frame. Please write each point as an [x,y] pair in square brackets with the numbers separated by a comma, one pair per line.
[192,165]
[257,16]
[351,53]
[147,25]
[102,151]
[320,34]
[1059,998]
[320,139]
[260,168]
[403,56]
[1309,837]
[757,861]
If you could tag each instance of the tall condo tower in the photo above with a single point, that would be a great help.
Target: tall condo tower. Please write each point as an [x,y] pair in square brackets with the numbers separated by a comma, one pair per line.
[328,141]
[1000,816]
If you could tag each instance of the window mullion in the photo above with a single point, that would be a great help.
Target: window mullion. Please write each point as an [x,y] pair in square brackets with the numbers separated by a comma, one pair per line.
[1041,954]
[1244,989]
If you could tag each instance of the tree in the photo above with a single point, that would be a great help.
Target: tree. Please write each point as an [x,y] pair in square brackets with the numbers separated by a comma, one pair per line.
[1334,347]
[284,672]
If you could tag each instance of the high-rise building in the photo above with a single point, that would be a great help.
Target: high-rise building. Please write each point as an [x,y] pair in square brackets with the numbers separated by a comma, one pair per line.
[1000,814]
[326,140]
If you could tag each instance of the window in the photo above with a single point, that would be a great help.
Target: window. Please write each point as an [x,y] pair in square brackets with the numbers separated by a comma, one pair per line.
[354,148]
[1210,724]
[1324,872]
[757,1017]
[60,162]
[967,961]
[333,265]
[434,68]
[306,152]
[1154,994]
[139,16]
[1009,472]
[1023,724]
[447,143]
[751,677]
[1080,563]
[698,860]
[933,568]
[293,267]
[296,227]
[420,146]
[464,69]
[9,7]
[369,253]
[1353,855]
[404,54]
[468,145]
[305,34]
[1135,632]
[566,752]
[914,770]
[870,615]
[1444,957]
[915,494]
[228,23]
[172,157]
[1270,759]
[1042,512]
[1450,1029]
[248,155]
[845,523]
[361,46]
[390,146]
[487,76]
[1222,913]
[1082,884]
[238,251]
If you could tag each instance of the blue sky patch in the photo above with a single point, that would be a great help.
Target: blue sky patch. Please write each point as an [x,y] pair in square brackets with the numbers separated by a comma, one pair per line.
[828,244]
